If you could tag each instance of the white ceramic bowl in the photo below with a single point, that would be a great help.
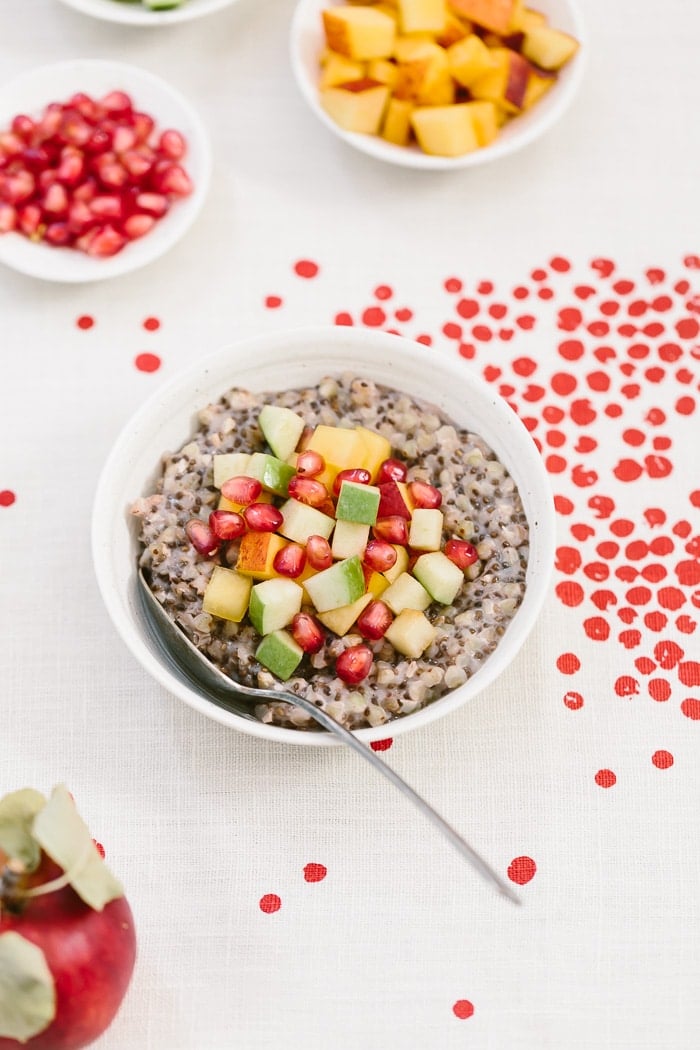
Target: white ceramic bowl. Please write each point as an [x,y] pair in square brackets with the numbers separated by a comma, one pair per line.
[136,15]
[31,92]
[282,361]
[306,45]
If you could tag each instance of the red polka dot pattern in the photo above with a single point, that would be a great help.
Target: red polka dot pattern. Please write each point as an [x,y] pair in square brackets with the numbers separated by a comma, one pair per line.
[521,870]
[315,872]
[147,362]
[7,497]
[605,778]
[151,324]
[85,322]
[270,903]
[306,268]
[463,1009]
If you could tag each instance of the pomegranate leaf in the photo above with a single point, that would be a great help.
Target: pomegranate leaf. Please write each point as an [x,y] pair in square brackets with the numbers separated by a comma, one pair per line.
[27,990]
[17,813]
[63,835]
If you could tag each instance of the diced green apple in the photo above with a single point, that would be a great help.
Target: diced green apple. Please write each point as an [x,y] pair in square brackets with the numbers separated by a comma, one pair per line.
[406,592]
[227,594]
[273,473]
[341,620]
[349,537]
[301,521]
[281,428]
[340,585]
[229,465]
[441,578]
[357,503]
[411,633]
[425,533]
[274,603]
[280,654]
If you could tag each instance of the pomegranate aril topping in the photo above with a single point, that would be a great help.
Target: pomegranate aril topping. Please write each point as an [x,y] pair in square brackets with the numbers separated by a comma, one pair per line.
[307,632]
[393,529]
[241,489]
[11,144]
[105,241]
[380,555]
[152,204]
[80,218]
[290,561]
[37,159]
[357,474]
[354,664]
[86,191]
[86,106]
[143,126]
[172,145]
[107,206]
[72,167]
[318,553]
[23,126]
[124,139]
[391,470]
[310,463]
[18,187]
[58,234]
[374,620]
[460,552]
[137,162]
[56,200]
[99,142]
[8,218]
[116,103]
[201,537]
[29,219]
[307,490]
[262,517]
[73,130]
[174,181]
[424,495]
[226,524]
[138,225]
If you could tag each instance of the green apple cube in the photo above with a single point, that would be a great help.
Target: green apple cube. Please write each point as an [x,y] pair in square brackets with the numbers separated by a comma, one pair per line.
[229,465]
[227,594]
[349,537]
[301,521]
[341,620]
[411,633]
[340,585]
[357,503]
[425,533]
[441,578]
[271,472]
[406,593]
[274,603]
[281,428]
[280,654]
[399,566]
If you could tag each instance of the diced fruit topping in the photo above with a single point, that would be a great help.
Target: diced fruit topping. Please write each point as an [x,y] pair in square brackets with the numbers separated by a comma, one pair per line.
[290,560]
[307,632]
[241,489]
[380,555]
[374,620]
[424,495]
[201,537]
[392,470]
[307,490]
[318,552]
[226,524]
[392,529]
[310,463]
[279,653]
[357,474]
[354,663]
[461,553]
[262,517]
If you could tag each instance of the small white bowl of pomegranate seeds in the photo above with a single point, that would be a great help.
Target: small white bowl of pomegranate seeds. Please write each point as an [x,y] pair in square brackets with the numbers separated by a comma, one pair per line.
[148,12]
[389,568]
[103,167]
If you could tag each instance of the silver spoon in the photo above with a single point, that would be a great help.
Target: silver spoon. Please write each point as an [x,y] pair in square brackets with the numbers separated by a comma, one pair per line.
[231,695]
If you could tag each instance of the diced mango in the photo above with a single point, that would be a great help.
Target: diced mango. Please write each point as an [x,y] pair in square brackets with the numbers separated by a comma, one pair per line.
[342,449]
[337,69]
[375,449]
[418,16]
[341,620]
[383,70]
[360,32]
[506,83]
[485,116]
[469,59]
[256,554]
[445,131]
[397,122]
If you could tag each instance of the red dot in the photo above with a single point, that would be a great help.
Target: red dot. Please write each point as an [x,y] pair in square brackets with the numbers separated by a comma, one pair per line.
[659,689]
[520,292]
[526,322]
[85,321]
[560,264]
[7,498]
[100,848]
[373,317]
[568,663]
[521,870]
[692,262]
[452,330]
[571,349]
[383,291]
[563,383]
[685,406]
[382,745]
[151,324]
[482,333]
[463,1009]
[147,362]
[573,700]
[315,872]
[272,302]
[343,319]
[453,284]
[524,366]
[570,593]
[467,350]
[691,708]
[563,505]
[662,759]
[467,308]
[426,340]
[605,778]
[555,464]
[545,293]
[597,629]
[270,903]
[305,268]
[403,314]
[625,685]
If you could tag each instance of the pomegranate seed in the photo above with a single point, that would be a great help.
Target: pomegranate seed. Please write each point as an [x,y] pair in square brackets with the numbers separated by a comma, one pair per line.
[174,181]
[8,218]
[461,553]
[117,103]
[201,537]
[310,463]
[56,200]
[152,204]
[104,241]
[80,218]
[23,126]
[307,490]
[357,474]
[29,220]
[392,470]
[307,632]
[318,553]
[172,145]
[262,517]
[290,561]
[392,529]
[138,226]
[226,524]
[47,179]
[380,555]
[19,187]
[99,142]
[58,234]
[306,435]
[424,495]
[37,158]
[354,663]
[73,130]
[138,162]
[374,620]
[107,206]
[124,139]
[86,191]
[11,145]
[143,126]
[72,166]
[110,172]
[241,489]
[50,121]
[86,106]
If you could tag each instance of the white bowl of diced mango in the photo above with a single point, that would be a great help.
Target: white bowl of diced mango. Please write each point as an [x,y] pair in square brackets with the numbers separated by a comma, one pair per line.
[438,84]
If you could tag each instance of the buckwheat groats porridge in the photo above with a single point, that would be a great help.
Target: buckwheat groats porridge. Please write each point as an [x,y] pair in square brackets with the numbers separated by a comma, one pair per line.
[343,541]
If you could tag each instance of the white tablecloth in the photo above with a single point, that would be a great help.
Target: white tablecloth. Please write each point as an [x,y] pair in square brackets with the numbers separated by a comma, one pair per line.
[285,898]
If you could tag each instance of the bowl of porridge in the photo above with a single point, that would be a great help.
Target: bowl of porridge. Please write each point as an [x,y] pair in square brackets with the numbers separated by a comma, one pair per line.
[332,512]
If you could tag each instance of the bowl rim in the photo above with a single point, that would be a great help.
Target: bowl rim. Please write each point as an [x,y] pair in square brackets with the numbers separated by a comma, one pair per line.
[541,118]
[125,15]
[49,264]
[120,596]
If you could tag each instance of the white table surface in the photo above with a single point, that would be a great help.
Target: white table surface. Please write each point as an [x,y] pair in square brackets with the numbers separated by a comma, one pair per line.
[201,823]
